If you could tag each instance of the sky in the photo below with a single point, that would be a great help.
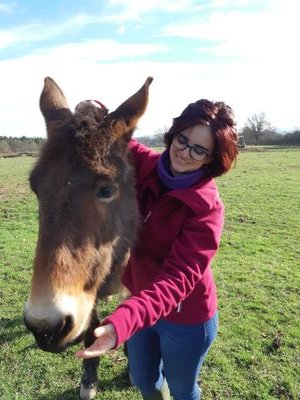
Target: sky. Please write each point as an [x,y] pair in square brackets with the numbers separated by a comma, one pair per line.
[243,52]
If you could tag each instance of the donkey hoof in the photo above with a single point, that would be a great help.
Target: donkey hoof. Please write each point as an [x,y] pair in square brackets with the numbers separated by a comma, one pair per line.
[87,392]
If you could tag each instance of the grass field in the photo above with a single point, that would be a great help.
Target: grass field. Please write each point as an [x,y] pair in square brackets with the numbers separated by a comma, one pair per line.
[257,353]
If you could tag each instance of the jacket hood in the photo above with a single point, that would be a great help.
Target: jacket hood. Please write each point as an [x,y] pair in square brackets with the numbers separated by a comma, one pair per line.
[200,197]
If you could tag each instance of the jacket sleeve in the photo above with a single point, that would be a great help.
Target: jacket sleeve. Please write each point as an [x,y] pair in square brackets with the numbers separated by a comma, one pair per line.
[184,267]
[141,158]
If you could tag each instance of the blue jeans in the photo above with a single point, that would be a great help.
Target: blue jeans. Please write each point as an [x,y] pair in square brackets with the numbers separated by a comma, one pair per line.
[174,351]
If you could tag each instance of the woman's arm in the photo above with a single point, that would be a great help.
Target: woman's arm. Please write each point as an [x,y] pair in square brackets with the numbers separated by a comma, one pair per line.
[142,158]
[189,257]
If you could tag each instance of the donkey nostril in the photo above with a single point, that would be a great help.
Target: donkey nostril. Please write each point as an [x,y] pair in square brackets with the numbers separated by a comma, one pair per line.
[47,335]
[66,326]
[43,337]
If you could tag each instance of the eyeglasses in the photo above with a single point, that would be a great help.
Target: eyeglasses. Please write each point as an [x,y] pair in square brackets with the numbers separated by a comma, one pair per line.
[196,152]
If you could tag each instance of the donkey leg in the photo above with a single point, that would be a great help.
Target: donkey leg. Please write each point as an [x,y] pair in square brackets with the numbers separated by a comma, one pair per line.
[88,385]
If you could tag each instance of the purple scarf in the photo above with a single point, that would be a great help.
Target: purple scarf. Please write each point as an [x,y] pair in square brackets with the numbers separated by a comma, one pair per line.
[180,181]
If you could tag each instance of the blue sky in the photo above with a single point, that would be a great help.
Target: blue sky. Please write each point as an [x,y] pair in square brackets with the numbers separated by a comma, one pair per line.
[244,52]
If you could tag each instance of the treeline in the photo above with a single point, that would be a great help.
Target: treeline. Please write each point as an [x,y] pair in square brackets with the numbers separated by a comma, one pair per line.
[246,138]
[22,144]
[272,138]
[258,130]
[152,141]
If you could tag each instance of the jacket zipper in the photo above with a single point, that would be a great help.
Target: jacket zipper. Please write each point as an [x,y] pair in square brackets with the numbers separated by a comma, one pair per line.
[147,217]
[179,307]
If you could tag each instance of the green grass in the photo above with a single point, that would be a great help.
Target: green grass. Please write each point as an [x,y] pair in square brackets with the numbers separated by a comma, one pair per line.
[257,352]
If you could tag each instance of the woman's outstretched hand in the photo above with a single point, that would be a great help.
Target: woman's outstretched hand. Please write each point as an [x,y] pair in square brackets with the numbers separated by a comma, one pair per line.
[106,339]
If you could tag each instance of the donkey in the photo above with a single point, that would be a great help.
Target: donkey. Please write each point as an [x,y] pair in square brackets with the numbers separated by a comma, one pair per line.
[88,219]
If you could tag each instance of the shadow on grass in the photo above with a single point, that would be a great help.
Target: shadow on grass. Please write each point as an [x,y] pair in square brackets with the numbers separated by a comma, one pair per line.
[118,383]
[11,329]
[70,394]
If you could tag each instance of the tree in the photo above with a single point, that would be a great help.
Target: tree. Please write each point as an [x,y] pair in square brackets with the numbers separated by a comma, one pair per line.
[23,144]
[4,146]
[291,139]
[257,127]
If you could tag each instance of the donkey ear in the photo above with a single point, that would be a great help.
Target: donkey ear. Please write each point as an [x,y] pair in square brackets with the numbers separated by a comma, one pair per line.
[53,105]
[125,117]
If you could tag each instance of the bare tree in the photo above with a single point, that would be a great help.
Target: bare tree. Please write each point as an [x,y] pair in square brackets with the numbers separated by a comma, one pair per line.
[257,127]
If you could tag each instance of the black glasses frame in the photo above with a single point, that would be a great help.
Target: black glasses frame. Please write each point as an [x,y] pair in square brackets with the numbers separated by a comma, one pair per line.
[191,147]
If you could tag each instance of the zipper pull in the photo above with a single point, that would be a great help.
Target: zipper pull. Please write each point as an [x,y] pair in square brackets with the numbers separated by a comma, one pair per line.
[179,307]
[147,217]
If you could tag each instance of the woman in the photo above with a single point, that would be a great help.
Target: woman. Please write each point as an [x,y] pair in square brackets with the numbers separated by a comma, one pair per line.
[170,321]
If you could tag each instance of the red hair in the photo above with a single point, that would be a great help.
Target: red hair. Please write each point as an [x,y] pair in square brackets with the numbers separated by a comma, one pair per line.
[219,116]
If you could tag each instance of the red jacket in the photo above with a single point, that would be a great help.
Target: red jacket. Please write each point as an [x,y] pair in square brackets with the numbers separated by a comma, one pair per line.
[169,273]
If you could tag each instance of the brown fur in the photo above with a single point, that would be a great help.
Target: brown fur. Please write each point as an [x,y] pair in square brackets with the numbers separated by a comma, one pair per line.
[88,214]
[67,174]
[88,219]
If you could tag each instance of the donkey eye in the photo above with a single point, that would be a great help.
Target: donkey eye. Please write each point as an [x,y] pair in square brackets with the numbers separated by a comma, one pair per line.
[106,192]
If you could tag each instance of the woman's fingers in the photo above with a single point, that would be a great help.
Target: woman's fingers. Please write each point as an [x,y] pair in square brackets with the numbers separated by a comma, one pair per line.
[95,350]
[106,339]
[104,330]
[89,353]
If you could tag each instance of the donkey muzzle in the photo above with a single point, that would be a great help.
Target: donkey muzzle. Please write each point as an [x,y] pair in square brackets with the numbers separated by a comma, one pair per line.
[50,337]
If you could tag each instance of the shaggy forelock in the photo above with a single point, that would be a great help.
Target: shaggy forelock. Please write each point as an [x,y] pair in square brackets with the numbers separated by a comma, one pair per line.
[93,137]
[86,138]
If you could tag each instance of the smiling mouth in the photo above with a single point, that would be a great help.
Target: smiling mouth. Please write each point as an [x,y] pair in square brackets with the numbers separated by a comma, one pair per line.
[181,160]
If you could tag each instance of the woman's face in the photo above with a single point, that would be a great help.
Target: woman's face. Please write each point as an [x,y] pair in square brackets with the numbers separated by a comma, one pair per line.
[189,159]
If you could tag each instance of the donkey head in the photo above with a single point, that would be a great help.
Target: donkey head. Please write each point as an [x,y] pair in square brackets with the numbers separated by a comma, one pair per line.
[88,213]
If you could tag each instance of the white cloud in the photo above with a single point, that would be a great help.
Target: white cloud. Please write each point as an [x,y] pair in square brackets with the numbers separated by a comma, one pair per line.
[7,38]
[247,89]
[121,30]
[230,3]
[262,77]
[271,35]
[142,7]
[99,51]
[6,8]
[135,9]
[83,72]
[30,33]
